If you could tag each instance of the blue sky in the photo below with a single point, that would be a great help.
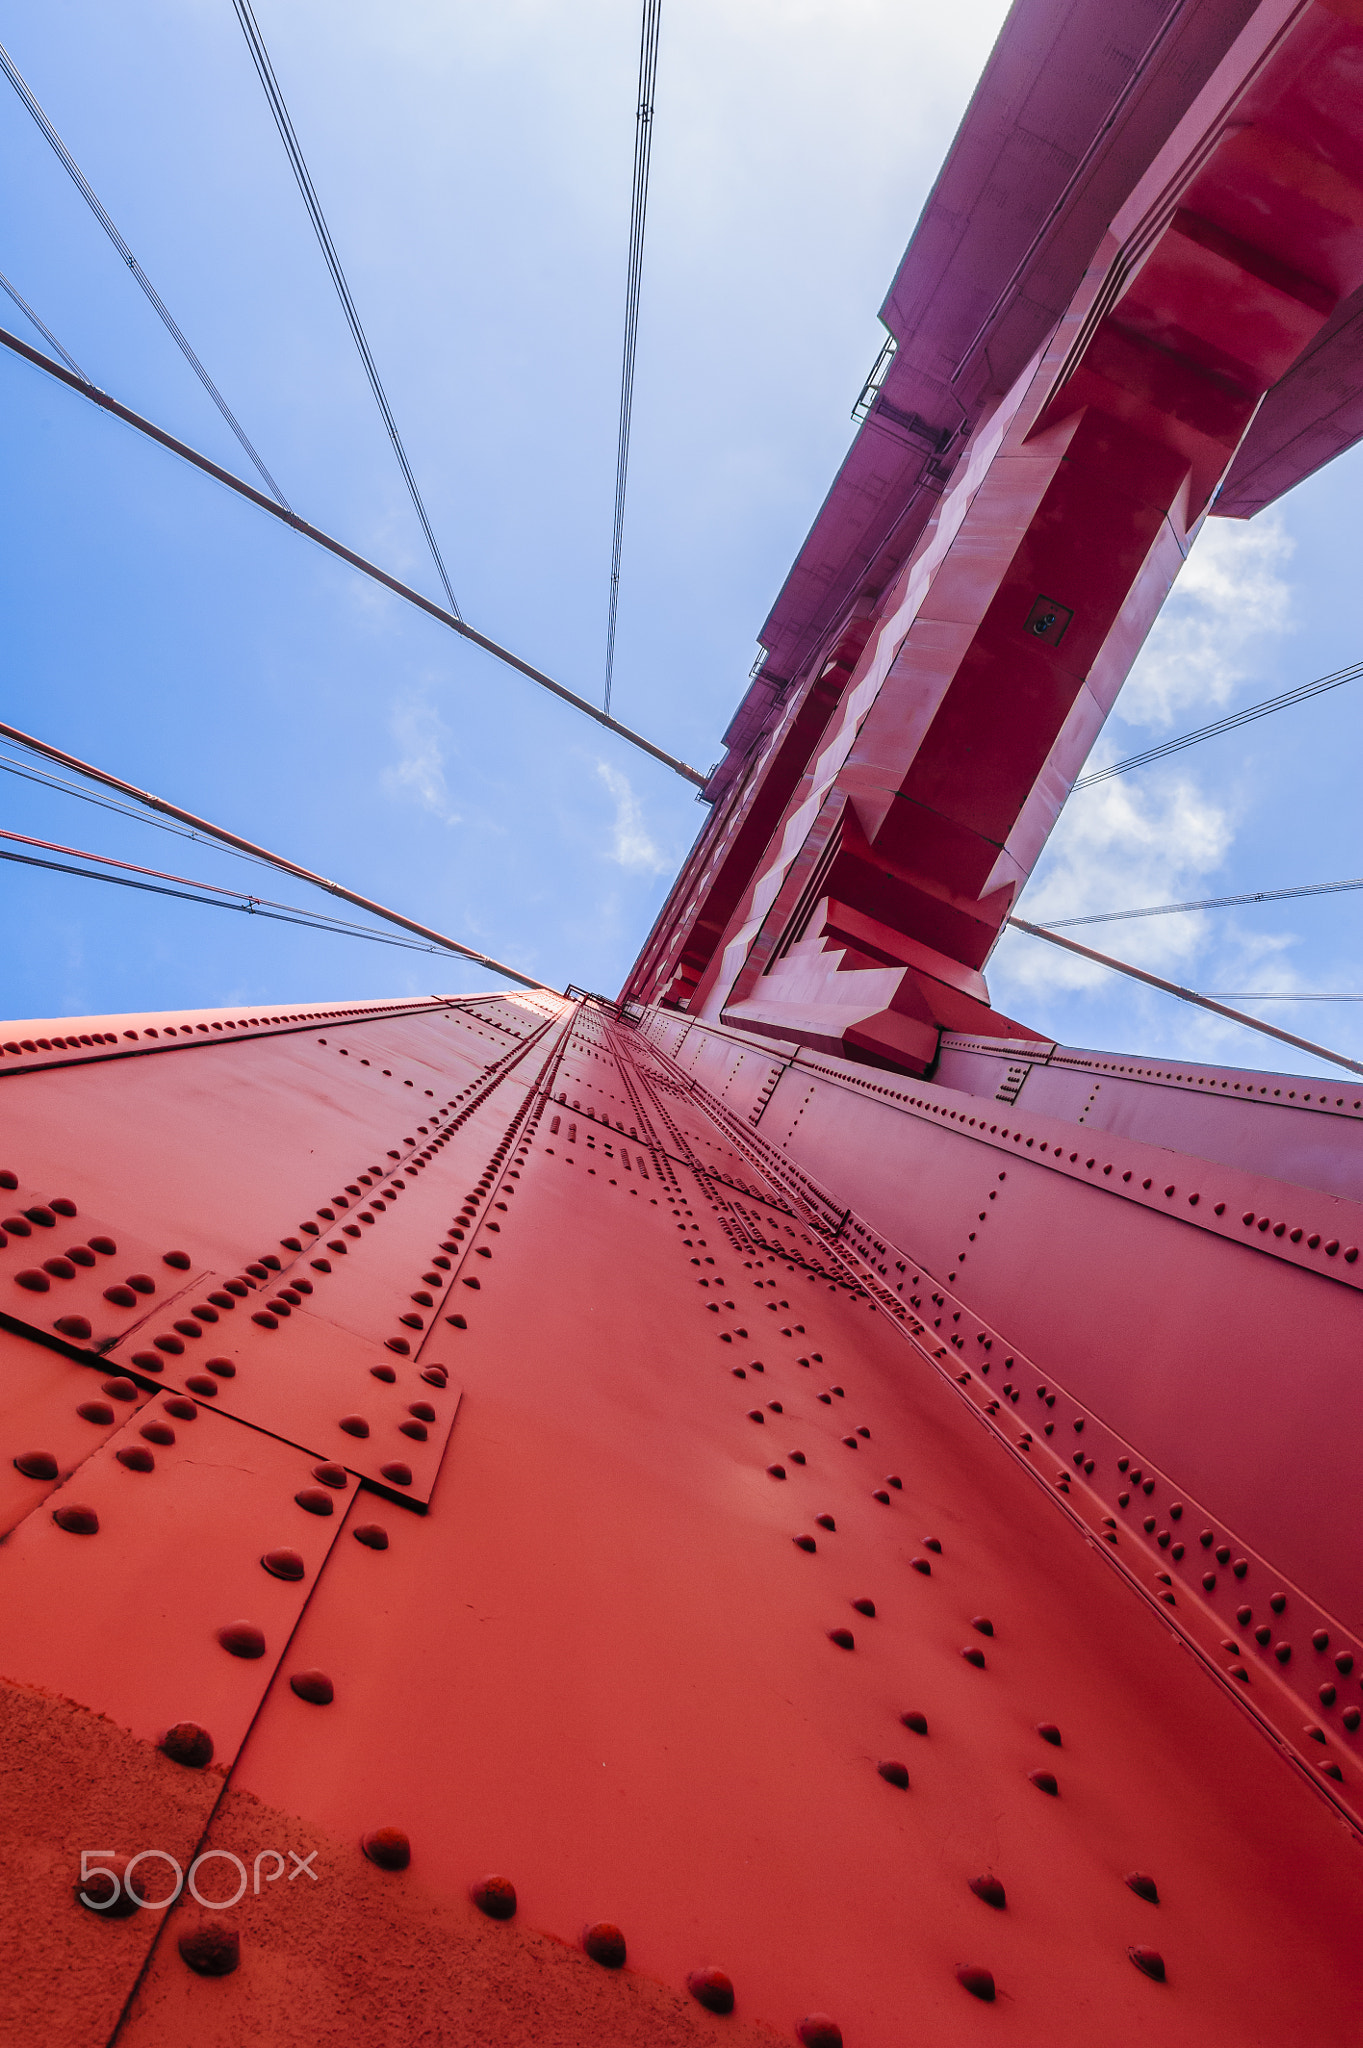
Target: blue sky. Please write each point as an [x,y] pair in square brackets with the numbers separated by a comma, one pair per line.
[474,165]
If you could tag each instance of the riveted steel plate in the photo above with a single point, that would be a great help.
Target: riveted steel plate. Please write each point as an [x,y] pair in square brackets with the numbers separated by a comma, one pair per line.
[42,1394]
[303,1380]
[126,1619]
[71,1262]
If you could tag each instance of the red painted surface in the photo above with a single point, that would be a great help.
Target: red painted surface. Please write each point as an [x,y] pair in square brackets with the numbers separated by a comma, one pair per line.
[996,630]
[599,1664]
[884,1548]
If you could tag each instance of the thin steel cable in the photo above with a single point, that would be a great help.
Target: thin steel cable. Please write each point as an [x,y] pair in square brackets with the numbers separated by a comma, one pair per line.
[252,905]
[638,211]
[255,42]
[46,332]
[63,787]
[275,860]
[241,898]
[1186,995]
[1230,724]
[1056,924]
[231,482]
[1241,995]
[16,79]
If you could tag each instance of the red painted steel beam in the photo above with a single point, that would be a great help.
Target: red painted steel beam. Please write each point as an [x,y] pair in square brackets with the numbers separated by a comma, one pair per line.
[714,1303]
[1000,636]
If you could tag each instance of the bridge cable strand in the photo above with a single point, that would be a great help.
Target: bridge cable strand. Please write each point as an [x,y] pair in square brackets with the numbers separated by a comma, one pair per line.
[275,860]
[1220,725]
[293,150]
[231,482]
[232,899]
[1055,924]
[16,79]
[46,332]
[1187,995]
[255,906]
[638,209]
[63,786]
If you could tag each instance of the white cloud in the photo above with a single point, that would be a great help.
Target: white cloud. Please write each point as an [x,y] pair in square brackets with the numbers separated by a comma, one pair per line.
[631,846]
[1116,847]
[1229,597]
[1160,835]
[421,733]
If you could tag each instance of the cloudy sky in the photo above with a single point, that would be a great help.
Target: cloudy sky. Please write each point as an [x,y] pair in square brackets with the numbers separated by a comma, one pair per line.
[474,165]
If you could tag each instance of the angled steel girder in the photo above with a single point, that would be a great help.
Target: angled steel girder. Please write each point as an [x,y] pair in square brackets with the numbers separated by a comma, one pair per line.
[890,797]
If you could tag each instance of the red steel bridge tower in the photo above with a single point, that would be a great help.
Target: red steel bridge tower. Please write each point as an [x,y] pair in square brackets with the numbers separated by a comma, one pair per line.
[786,1506]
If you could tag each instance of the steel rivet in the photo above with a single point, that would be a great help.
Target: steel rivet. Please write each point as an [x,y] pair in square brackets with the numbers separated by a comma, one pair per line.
[843,1638]
[1144,1887]
[97,1888]
[817,2030]
[495,1896]
[389,1848]
[242,1639]
[1045,1781]
[315,1501]
[1149,1961]
[77,1521]
[1048,1732]
[974,1656]
[979,1983]
[982,1623]
[136,1459]
[894,1773]
[313,1686]
[188,1744]
[864,1606]
[712,1989]
[605,1944]
[39,1464]
[990,1890]
[211,1950]
[372,1535]
[283,1564]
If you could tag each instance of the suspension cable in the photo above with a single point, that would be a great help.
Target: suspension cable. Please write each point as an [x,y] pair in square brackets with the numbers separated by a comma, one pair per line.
[1220,725]
[638,209]
[338,548]
[1055,924]
[321,918]
[63,786]
[46,332]
[1187,995]
[274,860]
[265,69]
[254,905]
[16,79]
